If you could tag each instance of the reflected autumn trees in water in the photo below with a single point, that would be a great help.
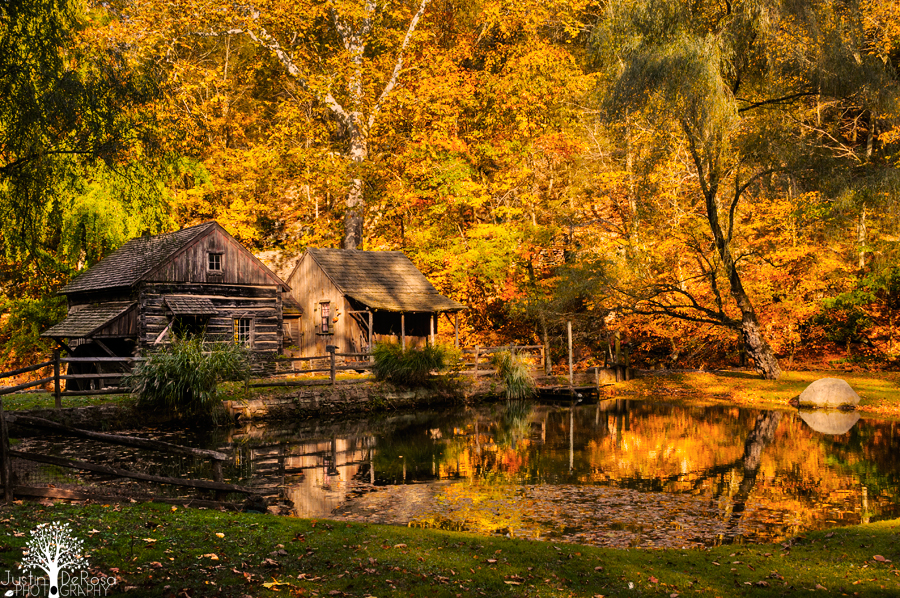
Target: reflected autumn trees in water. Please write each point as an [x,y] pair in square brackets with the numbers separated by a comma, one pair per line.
[626,473]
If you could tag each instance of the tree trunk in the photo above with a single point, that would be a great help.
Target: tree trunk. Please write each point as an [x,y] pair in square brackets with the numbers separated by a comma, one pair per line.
[759,350]
[356,204]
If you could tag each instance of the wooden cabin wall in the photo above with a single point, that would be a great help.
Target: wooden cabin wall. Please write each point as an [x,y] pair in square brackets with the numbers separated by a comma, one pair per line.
[125,326]
[310,287]
[78,301]
[262,304]
[191,265]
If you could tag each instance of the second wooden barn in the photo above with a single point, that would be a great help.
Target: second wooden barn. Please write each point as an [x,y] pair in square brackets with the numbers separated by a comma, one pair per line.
[351,299]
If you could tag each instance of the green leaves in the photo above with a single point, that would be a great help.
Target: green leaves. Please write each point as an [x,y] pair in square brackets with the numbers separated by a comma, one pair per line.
[408,367]
[182,378]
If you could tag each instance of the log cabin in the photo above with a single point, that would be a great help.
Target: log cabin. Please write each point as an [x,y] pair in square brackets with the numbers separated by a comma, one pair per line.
[196,280]
[350,299]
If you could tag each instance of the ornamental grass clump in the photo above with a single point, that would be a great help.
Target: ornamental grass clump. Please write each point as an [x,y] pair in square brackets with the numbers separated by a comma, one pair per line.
[182,378]
[513,370]
[408,367]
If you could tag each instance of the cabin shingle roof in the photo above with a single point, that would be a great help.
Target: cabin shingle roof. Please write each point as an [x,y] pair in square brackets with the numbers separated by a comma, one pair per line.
[132,261]
[385,280]
[86,321]
[185,305]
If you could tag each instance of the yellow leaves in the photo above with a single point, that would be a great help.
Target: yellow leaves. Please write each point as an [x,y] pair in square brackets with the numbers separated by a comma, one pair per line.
[276,585]
[881,23]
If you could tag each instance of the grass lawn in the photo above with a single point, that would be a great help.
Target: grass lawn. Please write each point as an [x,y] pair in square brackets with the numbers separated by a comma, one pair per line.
[879,391]
[158,550]
[45,400]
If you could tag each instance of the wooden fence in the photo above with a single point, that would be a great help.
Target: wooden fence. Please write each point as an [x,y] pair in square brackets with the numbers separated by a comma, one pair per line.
[57,377]
[481,358]
[476,361]
[217,485]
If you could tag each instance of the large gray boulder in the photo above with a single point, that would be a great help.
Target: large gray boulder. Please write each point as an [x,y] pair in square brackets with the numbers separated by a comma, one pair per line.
[830,422]
[829,393]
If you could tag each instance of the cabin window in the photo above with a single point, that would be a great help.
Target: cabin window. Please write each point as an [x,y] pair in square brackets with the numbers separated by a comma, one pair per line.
[214,262]
[242,331]
[325,313]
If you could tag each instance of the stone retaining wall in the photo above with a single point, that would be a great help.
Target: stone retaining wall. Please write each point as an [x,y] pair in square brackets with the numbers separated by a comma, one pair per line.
[339,400]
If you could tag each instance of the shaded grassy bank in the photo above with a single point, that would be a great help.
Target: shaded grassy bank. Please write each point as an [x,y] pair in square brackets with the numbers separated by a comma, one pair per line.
[879,391]
[158,550]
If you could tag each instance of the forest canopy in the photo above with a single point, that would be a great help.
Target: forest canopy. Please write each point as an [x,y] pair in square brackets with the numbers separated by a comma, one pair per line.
[715,182]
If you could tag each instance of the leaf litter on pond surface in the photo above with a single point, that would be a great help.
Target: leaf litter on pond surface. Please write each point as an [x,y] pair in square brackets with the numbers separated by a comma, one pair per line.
[595,515]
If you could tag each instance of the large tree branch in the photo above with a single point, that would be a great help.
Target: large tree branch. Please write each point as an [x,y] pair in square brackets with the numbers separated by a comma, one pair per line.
[23,160]
[398,65]
[264,39]
[775,101]
[739,192]
[689,309]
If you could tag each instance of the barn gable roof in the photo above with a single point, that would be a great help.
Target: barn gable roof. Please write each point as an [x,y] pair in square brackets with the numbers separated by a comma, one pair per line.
[141,256]
[385,280]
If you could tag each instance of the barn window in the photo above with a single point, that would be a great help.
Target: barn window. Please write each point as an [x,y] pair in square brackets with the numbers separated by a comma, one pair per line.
[215,262]
[242,329]
[325,312]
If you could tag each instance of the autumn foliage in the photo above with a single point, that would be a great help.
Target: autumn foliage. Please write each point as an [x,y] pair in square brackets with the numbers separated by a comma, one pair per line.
[541,162]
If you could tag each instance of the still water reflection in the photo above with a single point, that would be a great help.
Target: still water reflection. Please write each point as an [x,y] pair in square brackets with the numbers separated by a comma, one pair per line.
[617,473]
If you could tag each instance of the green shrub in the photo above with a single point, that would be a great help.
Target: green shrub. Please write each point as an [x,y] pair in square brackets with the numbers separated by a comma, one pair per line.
[513,370]
[182,378]
[409,367]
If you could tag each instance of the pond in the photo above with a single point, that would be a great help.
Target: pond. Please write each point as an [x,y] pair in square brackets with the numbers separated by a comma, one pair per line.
[622,473]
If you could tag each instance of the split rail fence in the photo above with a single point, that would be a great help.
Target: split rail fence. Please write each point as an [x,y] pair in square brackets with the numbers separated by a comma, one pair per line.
[217,485]
[57,377]
[476,362]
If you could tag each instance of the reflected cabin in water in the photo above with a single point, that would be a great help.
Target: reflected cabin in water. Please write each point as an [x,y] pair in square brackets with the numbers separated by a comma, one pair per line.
[198,279]
[350,299]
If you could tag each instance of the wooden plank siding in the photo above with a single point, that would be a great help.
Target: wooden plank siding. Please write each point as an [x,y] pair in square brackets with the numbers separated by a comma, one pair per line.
[125,326]
[191,265]
[310,289]
[261,304]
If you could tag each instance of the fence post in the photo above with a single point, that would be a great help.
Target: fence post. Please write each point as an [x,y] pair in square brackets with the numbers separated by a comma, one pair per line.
[5,466]
[371,337]
[569,331]
[331,349]
[218,477]
[544,359]
[475,374]
[56,392]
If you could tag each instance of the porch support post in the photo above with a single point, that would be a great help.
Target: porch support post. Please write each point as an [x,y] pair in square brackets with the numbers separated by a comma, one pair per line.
[431,326]
[403,330]
[456,329]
